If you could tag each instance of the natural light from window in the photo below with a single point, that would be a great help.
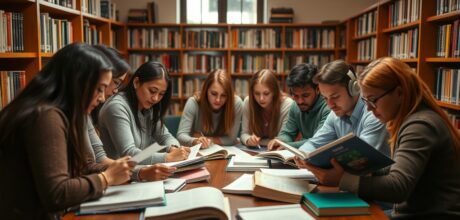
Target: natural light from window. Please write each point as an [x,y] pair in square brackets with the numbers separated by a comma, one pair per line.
[206,11]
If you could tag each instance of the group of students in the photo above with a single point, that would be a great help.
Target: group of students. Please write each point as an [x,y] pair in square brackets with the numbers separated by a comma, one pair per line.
[70,133]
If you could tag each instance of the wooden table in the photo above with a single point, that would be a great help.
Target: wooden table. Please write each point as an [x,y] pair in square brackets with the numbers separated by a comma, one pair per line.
[221,178]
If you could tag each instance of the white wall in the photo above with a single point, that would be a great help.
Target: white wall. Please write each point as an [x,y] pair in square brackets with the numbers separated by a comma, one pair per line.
[305,11]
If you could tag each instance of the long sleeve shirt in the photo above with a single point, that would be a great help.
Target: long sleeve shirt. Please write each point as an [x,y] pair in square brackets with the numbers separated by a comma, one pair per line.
[425,177]
[36,179]
[361,122]
[191,122]
[306,123]
[284,111]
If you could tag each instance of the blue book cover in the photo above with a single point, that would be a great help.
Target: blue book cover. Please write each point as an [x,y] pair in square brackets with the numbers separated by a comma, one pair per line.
[340,203]
[355,155]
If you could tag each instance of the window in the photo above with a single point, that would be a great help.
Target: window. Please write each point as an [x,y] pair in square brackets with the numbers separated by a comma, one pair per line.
[224,11]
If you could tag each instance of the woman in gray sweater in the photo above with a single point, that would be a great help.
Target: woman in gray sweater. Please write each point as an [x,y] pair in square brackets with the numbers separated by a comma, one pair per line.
[132,120]
[213,116]
[424,181]
[265,110]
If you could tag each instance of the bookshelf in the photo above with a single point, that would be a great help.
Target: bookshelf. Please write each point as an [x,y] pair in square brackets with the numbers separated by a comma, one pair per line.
[416,32]
[241,49]
[63,25]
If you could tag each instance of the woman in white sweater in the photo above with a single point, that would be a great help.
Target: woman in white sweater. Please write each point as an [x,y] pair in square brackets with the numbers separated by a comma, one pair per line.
[265,110]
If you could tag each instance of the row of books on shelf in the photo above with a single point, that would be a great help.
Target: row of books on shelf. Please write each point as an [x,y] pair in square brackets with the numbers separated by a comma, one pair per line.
[101,8]
[256,38]
[91,35]
[342,38]
[153,38]
[170,61]
[366,23]
[404,11]
[367,49]
[205,39]
[448,85]
[12,83]
[316,59]
[203,63]
[448,44]
[251,63]
[65,3]
[54,33]
[310,38]
[11,31]
[282,15]
[446,6]
[404,45]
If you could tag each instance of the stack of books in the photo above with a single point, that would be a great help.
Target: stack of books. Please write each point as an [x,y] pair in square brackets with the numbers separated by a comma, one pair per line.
[334,204]
[282,15]
[138,15]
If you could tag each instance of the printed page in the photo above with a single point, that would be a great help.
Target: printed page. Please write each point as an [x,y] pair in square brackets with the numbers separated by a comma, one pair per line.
[282,184]
[291,173]
[291,212]
[146,153]
[243,185]
[194,151]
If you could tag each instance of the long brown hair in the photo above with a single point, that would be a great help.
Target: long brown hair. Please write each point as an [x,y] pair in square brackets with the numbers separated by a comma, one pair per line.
[67,82]
[387,73]
[225,124]
[267,78]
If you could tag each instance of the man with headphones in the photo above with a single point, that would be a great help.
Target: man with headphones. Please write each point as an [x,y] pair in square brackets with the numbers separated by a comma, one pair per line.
[337,84]
[310,111]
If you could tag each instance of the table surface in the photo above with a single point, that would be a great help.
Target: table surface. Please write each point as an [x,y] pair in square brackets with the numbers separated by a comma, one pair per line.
[219,179]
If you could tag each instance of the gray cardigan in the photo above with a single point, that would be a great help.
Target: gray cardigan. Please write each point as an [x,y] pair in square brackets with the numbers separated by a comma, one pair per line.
[425,177]
[121,136]
[97,148]
[284,112]
[191,122]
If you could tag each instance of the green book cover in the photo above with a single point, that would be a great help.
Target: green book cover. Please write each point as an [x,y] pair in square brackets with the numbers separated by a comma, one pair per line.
[335,200]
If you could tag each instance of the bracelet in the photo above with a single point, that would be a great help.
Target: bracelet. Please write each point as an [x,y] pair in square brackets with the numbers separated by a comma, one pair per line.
[105,179]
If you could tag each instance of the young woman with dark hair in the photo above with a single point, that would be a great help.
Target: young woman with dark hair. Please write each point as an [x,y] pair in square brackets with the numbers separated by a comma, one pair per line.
[212,116]
[133,119]
[44,158]
[265,110]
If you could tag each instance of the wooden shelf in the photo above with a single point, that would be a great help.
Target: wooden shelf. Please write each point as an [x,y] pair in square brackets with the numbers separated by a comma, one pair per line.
[153,49]
[26,55]
[410,60]
[303,25]
[309,49]
[205,25]
[117,23]
[242,74]
[57,9]
[448,105]
[445,17]
[95,19]
[256,49]
[205,49]
[46,55]
[153,25]
[402,27]
[175,74]
[257,25]
[194,74]
[362,37]
[442,60]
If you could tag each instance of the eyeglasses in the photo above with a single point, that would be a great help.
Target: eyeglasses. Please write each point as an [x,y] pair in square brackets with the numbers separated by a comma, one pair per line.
[373,102]
[118,83]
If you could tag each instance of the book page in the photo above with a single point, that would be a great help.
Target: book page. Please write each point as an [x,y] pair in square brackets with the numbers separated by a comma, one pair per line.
[211,150]
[173,184]
[294,150]
[243,185]
[188,200]
[282,184]
[147,152]
[291,173]
[250,161]
[291,212]
[237,152]
[284,155]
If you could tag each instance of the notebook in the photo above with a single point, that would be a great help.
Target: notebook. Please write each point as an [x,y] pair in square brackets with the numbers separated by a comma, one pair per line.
[174,184]
[192,176]
[331,204]
[276,212]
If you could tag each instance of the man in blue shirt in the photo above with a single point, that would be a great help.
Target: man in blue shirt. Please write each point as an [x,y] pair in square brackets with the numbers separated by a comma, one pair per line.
[337,84]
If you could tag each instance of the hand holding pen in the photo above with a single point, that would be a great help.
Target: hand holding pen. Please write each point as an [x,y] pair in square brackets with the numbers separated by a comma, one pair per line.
[253,141]
[205,142]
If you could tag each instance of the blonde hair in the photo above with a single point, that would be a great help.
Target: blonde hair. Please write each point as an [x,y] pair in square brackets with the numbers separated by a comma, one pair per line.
[267,78]
[387,73]
[225,124]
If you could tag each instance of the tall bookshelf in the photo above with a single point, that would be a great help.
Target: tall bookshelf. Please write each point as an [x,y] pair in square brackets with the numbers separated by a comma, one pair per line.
[37,51]
[410,31]
[240,49]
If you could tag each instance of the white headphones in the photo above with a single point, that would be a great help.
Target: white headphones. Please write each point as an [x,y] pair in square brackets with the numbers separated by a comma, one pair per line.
[353,87]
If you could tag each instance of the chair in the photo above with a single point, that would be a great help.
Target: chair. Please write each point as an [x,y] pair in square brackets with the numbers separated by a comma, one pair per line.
[172,123]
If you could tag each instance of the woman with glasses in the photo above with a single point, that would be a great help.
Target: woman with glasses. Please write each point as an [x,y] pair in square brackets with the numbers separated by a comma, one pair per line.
[424,181]
[132,120]
[119,72]
[265,110]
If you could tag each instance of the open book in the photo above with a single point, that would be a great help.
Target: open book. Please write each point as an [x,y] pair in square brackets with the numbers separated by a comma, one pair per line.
[355,155]
[243,185]
[279,188]
[215,152]
[126,197]
[285,156]
[197,203]
[291,212]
